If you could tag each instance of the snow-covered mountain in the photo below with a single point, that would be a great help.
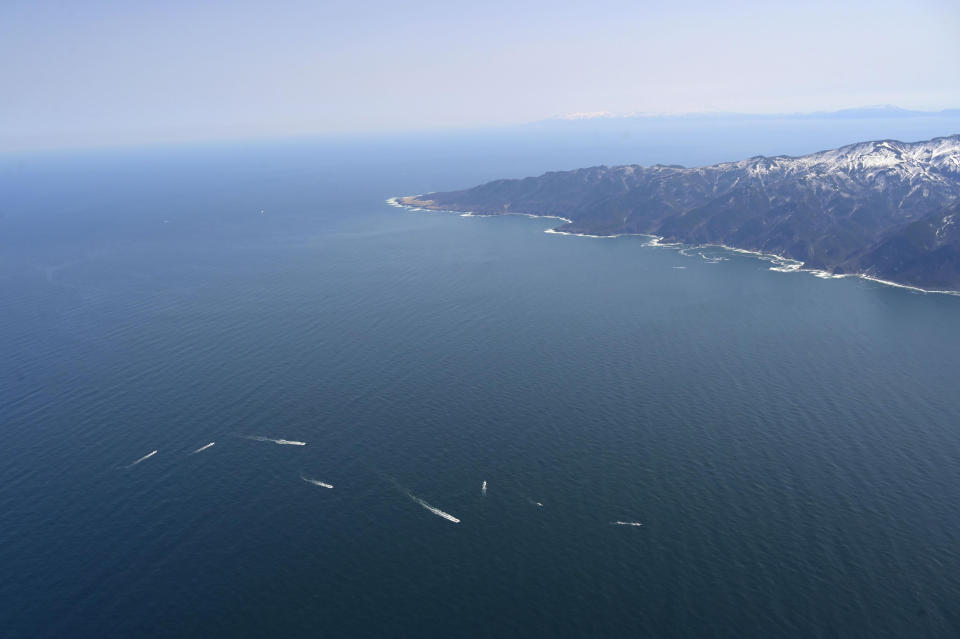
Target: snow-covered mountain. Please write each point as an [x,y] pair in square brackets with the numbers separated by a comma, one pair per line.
[861,208]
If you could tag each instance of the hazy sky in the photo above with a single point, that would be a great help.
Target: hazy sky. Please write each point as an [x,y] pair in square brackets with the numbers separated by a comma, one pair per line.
[91,72]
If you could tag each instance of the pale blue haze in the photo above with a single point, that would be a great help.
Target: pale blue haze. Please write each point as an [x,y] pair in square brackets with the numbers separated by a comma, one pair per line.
[106,73]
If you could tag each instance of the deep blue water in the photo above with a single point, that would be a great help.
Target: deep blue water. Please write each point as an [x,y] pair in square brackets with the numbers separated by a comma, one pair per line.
[791,444]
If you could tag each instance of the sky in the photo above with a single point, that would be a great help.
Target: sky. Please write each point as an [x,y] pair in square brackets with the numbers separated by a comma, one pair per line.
[98,73]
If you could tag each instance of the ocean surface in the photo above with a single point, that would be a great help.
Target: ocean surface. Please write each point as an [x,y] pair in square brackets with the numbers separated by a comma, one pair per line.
[790,445]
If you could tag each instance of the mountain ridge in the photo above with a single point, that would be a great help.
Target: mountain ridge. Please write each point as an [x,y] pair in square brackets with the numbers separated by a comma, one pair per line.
[862,112]
[882,208]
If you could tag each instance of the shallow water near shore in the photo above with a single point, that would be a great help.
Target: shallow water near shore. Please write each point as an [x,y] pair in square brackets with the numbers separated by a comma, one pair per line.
[790,444]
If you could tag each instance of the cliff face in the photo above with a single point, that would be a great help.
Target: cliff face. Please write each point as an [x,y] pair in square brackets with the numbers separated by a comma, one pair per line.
[885,208]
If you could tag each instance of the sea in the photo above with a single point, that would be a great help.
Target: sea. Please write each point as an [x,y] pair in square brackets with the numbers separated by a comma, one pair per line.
[243,396]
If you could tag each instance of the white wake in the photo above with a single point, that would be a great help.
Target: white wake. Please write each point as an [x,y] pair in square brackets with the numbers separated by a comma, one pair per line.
[281,442]
[147,456]
[316,482]
[203,448]
[435,511]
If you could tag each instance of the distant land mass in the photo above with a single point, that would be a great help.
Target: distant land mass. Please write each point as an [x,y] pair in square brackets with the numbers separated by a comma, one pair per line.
[883,111]
[884,209]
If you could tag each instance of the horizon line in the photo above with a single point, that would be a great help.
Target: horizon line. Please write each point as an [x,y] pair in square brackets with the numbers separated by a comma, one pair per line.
[571,119]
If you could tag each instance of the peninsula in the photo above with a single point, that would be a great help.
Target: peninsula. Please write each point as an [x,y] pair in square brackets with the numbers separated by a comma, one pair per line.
[883,209]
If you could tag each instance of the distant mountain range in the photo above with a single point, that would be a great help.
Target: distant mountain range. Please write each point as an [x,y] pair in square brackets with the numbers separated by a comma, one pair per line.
[885,111]
[884,209]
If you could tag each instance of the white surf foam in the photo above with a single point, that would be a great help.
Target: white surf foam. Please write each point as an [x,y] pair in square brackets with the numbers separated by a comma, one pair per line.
[916,289]
[824,275]
[395,201]
[147,456]
[316,482]
[657,242]
[789,268]
[781,264]
[545,217]
[712,259]
[556,232]
[203,448]
[626,523]
[483,488]
[435,511]
[596,237]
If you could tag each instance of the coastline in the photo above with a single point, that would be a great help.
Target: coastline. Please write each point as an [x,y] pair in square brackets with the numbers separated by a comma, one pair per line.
[423,205]
[781,264]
